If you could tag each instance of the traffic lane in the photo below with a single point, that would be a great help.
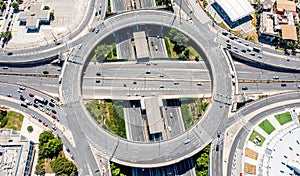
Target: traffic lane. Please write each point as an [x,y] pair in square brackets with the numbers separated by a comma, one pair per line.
[174,121]
[57,111]
[180,65]
[36,70]
[267,87]
[31,111]
[272,76]
[124,50]
[156,46]
[28,79]
[217,158]
[143,81]
[135,124]
[182,88]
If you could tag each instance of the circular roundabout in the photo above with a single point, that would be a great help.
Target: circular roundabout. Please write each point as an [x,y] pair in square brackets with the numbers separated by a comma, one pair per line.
[139,153]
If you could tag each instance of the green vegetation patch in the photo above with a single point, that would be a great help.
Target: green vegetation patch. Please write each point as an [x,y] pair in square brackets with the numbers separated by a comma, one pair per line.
[110,116]
[105,52]
[192,110]
[201,161]
[51,158]
[267,126]
[253,138]
[11,120]
[283,118]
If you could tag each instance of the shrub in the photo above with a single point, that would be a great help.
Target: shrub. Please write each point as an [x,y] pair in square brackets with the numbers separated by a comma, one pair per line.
[30,128]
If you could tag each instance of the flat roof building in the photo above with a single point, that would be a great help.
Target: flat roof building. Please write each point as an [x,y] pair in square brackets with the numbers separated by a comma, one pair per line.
[236,9]
[16,153]
[289,32]
[34,16]
[286,5]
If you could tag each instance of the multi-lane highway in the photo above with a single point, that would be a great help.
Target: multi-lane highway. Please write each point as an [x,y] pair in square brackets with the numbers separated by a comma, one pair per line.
[142,154]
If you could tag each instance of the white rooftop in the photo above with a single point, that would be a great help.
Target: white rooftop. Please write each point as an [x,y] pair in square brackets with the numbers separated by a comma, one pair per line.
[236,9]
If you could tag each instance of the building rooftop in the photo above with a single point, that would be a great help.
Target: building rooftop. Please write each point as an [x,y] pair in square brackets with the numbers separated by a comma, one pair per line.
[141,45]
[15,153]
[155,120]
[236,9]
[287,5]
[289,32]
[34,14]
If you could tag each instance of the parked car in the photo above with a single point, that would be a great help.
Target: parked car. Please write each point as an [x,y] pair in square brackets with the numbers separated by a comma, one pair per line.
[31,95]
[9,95]
[45,124]
[53,116]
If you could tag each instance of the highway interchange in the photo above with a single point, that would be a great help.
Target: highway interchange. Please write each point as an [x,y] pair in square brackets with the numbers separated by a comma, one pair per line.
[76,86]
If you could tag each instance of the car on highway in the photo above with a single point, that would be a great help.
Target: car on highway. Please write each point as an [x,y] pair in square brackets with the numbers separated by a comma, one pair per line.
[5,67]
[97,30]
[52,100]
[275,77]
[98,80]
[22,98]
[54,128]
[259,56]
[98,74]
[68,150]
[171,114]
[186,141]
[45,124]
[9,53]
[161,75]
[162,86]
[45,72]
[244,88]
[134,82]
[148,72]
[42,109]
[51,104]
[169,128]
[298,86]
[176,83]
[24,105]
[283,85]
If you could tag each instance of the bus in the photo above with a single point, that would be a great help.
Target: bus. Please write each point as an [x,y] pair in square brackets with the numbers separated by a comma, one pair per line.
[40,99]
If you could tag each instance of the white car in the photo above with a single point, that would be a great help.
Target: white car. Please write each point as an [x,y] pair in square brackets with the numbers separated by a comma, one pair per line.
[22,88]
[20,91]
[169,128]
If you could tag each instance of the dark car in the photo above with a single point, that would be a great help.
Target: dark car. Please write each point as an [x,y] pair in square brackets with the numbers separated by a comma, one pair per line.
[98,80]
[53,111]
[24,105]
[283,85]
[244,88]
[98,74]
[9,53]
[22,98]
[51,104]
[40,120]
[45,72]
[31,95]
[36,105]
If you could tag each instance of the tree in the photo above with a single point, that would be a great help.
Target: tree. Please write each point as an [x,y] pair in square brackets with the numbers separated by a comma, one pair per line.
[115,171]
[39,170]
[45,137]
[46,8]
[53,147]
[102,51]
[202,162]
[63,166]
[178,37]
[30,128]
[15,5]
[2,114]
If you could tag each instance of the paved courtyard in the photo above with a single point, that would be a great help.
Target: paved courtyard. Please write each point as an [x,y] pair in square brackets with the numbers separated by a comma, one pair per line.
[68,15]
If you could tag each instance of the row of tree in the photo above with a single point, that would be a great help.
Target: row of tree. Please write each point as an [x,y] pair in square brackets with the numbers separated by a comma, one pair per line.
[50,147]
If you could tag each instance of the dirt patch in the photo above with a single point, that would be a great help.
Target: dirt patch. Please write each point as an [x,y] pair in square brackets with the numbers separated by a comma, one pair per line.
[47,165]
[250,169]
[251,154]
